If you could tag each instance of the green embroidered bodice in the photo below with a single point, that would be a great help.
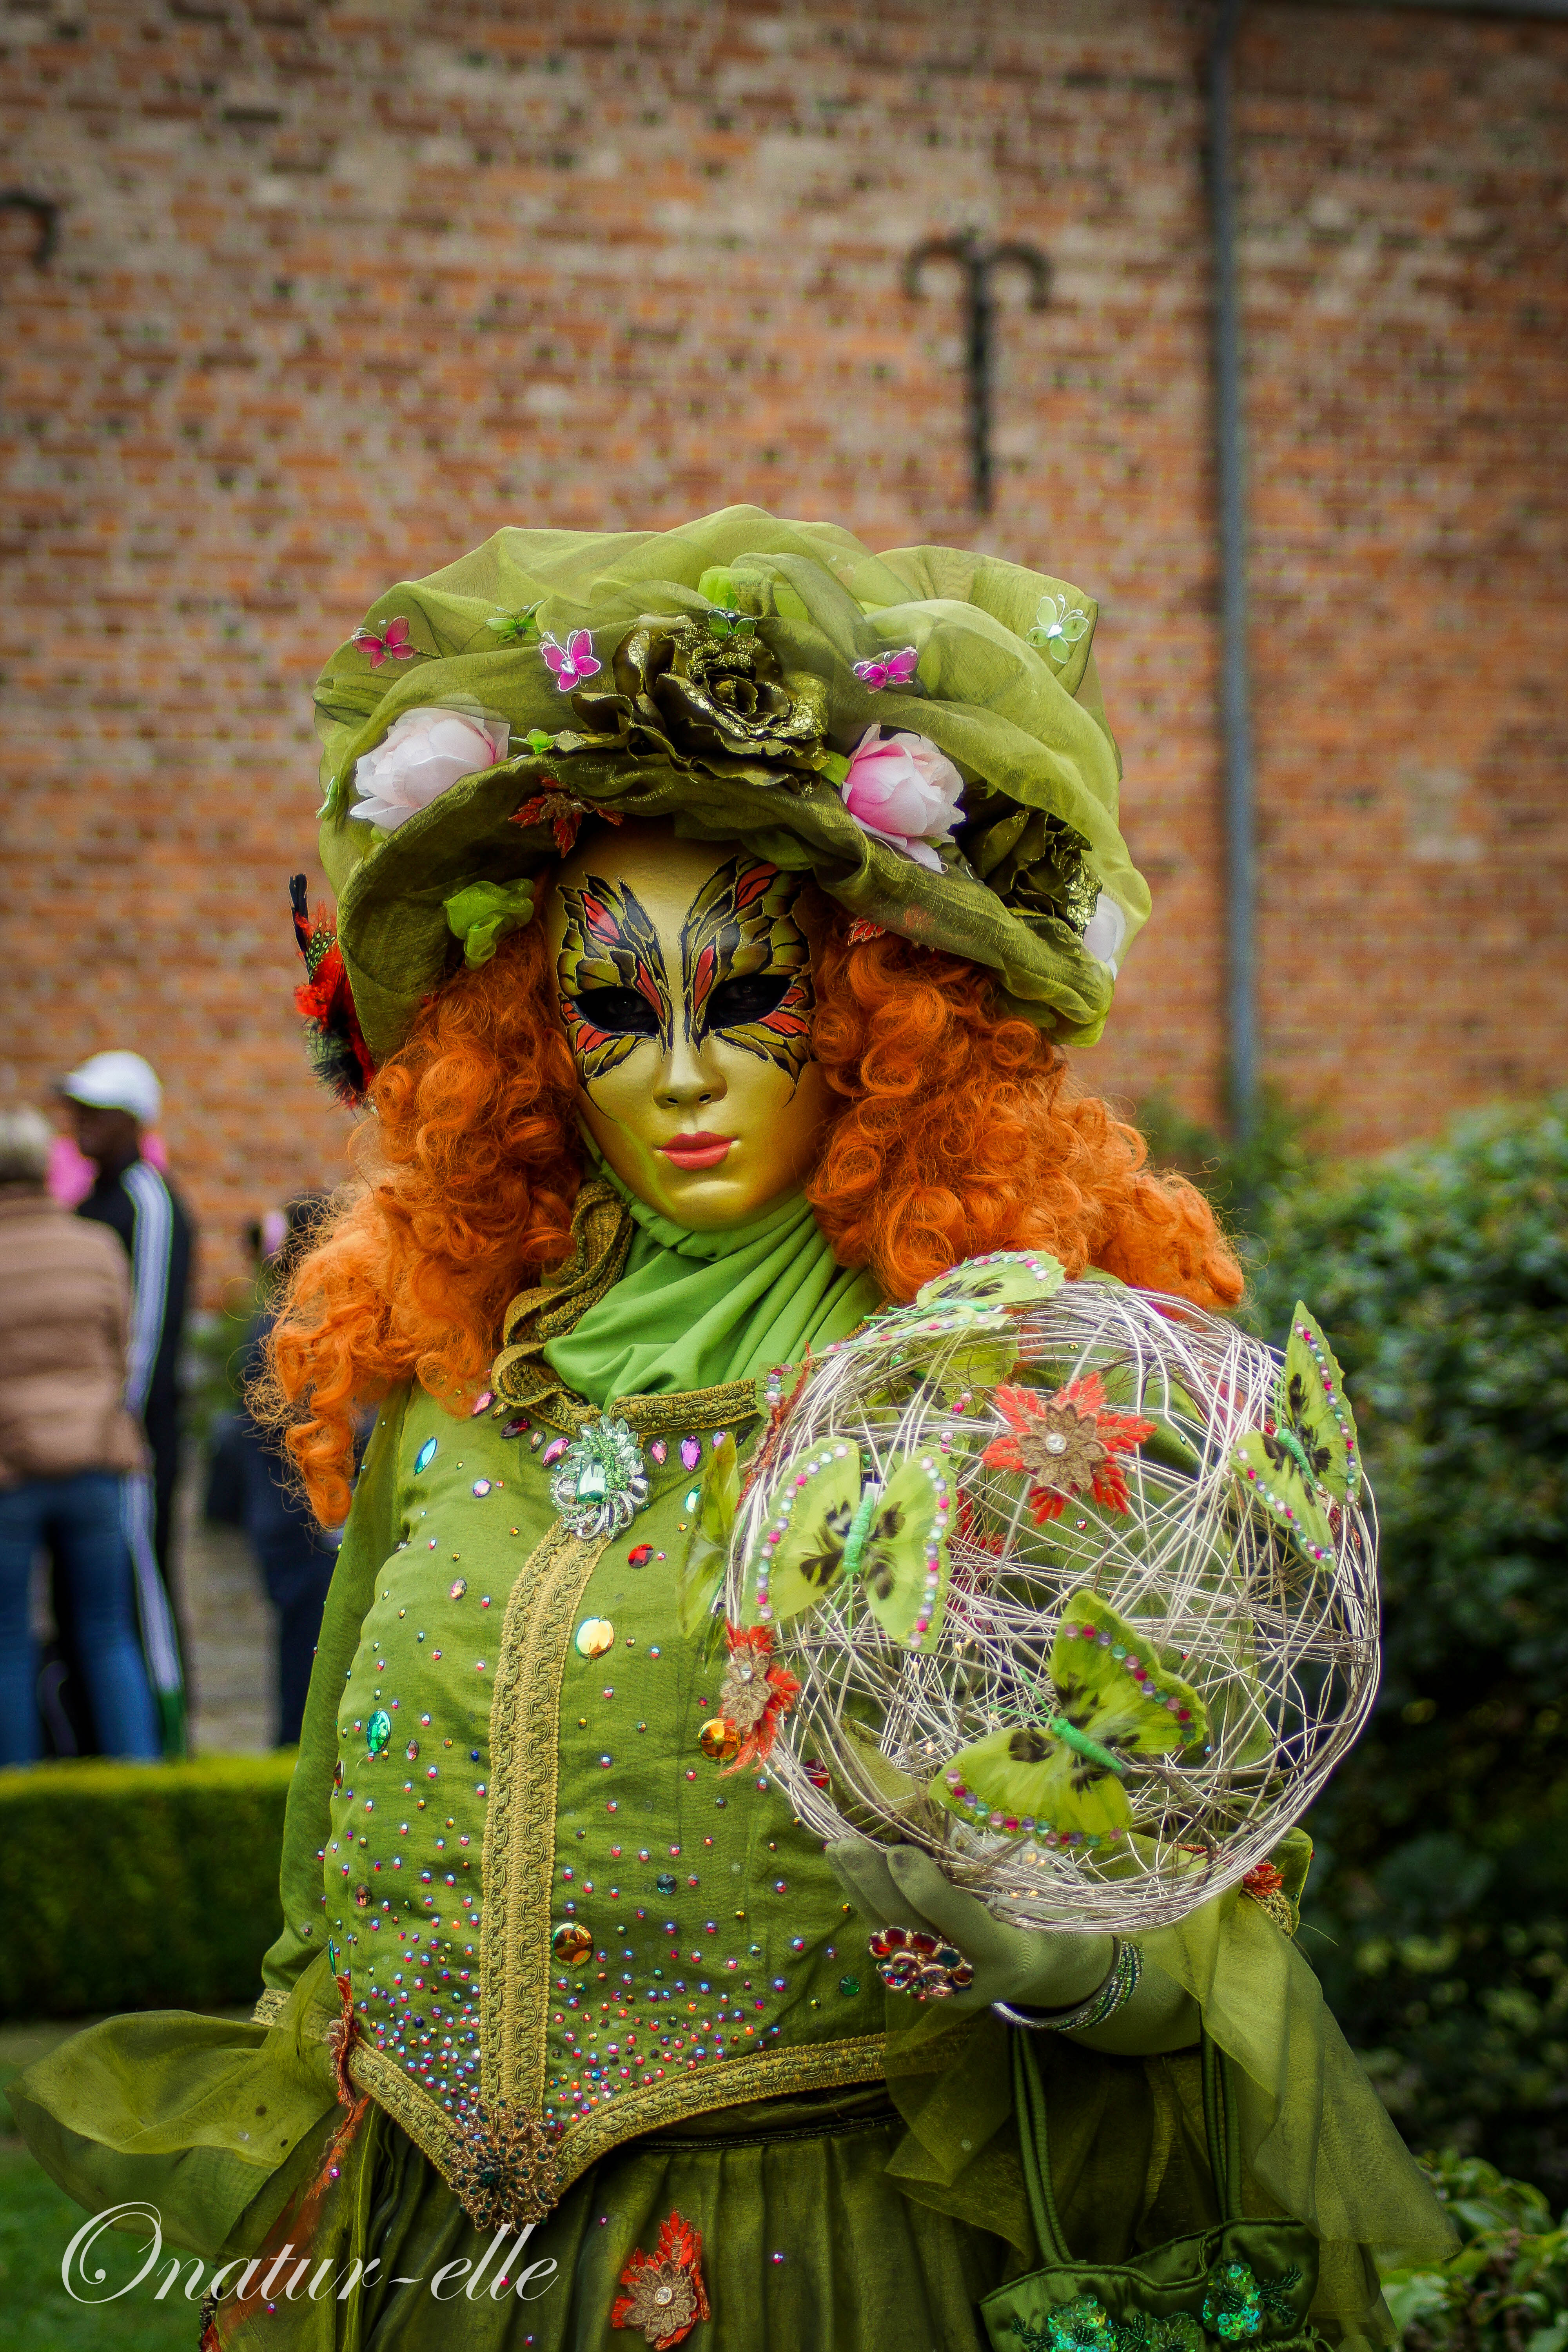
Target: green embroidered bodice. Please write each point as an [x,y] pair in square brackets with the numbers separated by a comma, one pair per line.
[540,1887]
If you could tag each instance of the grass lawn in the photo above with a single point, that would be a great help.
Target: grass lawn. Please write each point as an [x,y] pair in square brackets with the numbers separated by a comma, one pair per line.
[38,2222]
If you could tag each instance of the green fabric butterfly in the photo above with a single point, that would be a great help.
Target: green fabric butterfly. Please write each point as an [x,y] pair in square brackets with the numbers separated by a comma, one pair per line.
[1005,1278]
[893,1537]
[1062,1780]
[974,1297]
[701,1571]
[1309,1459]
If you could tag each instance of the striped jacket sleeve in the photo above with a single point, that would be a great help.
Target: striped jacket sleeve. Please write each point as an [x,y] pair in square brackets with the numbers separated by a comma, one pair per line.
[151,1251]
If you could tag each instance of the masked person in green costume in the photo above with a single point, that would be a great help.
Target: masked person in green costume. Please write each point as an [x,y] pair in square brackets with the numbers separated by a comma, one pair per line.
[713,909]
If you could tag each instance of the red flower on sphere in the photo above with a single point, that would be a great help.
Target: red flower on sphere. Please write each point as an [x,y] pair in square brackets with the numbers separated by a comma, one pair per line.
[754,1697]
[666,2296]
[1065,1444]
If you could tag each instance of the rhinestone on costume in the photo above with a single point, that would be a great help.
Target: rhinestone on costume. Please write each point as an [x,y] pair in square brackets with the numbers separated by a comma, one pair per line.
[572,1945]
[425,1455]
[457,1589]
[412,1751]
[658,1449]
[639,1555]
[600,1483]
[378,1730]
[515,1427]
[665,1883]
[481,1486]
[595,1636]
[691,1453]
[482,1403]
[719,1740]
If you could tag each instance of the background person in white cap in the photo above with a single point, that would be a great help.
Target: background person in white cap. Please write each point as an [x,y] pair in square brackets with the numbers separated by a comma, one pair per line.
[111,1098]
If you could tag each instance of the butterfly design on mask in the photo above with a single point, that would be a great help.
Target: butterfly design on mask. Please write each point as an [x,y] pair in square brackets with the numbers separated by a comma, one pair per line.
[746,970]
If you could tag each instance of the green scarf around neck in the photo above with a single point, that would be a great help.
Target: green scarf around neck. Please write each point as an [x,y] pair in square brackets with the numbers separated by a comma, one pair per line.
[693,1311]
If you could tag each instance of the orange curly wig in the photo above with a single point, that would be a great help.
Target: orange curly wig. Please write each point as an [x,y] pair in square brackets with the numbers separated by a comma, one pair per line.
[474,1163]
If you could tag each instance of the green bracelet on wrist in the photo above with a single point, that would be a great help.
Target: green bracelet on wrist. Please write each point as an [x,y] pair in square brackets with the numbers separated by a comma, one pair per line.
[1119,1983]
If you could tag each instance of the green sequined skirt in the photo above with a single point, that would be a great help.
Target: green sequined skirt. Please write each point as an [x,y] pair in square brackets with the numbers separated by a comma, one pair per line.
[814,2233]
[804,2244]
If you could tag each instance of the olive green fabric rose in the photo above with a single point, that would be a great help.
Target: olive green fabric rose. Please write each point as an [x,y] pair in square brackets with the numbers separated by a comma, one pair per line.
[723,676]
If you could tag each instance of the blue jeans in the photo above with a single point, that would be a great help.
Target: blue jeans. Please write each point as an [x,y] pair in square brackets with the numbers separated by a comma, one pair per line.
[80,1519]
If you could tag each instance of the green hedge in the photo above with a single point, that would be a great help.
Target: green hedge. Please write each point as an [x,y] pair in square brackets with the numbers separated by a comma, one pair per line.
[139,1885]
[1437,1913]
[1507,2288]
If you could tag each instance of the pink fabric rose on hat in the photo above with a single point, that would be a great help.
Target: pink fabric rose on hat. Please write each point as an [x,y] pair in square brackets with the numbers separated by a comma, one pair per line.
[422,755]
[904,790]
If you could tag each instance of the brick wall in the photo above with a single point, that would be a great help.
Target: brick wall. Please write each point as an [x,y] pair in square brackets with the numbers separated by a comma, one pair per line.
[339,290]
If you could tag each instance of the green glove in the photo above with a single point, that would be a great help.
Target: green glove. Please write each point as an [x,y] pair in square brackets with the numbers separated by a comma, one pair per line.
[1032,1968]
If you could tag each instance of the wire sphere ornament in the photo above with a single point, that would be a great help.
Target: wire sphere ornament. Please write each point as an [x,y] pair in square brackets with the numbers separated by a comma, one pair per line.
[1078,1585]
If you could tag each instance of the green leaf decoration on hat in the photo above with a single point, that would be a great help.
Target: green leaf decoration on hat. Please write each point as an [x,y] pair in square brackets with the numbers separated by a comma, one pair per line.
[727,623]
[894,1537]
[1310,1460]
[482,914]
[511,629]
[1117,1706]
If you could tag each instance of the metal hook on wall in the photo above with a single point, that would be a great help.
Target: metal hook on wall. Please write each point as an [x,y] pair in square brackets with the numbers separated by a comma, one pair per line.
[979,262]
[46,216]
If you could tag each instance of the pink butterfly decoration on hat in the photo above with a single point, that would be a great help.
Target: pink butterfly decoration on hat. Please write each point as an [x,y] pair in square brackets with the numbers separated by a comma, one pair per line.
[887,670]
[571,662]
[393,639]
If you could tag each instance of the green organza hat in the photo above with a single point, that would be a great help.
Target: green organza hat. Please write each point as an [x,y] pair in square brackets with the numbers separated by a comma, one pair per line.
[921,730]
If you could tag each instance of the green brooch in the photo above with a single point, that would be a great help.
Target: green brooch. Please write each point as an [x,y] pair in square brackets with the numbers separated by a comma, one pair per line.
[600,1484]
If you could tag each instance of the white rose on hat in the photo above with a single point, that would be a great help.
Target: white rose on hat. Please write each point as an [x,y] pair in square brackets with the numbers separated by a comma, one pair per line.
[423,754]
[1105,934]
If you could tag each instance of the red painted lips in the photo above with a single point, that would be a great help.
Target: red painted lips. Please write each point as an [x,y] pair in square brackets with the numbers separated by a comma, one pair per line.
[697,1151]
